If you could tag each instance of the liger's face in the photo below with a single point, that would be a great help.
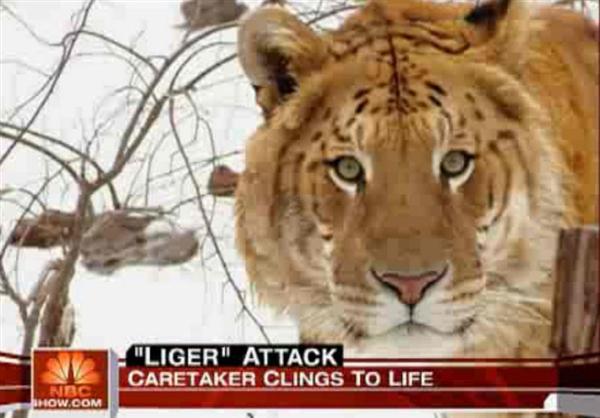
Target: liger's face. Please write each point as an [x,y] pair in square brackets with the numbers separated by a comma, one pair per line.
[396,157]
[395,180]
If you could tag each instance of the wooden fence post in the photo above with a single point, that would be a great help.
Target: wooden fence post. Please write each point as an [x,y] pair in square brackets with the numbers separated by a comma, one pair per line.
[576,323]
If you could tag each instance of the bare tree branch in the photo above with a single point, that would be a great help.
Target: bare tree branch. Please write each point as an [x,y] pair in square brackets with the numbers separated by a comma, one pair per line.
[52,82]
[133,115]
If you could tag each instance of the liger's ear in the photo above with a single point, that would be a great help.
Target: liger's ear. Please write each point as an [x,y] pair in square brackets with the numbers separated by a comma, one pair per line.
[489,13]
[503,26]
[276,51]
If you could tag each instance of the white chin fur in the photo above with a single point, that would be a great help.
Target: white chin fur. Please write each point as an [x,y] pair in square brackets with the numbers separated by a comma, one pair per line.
[406,342]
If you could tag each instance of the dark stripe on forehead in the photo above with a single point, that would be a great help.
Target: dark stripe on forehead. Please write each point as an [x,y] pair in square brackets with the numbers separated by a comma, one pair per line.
[361,106]
[339,136]
[436,88]
[435,100]
[361,93]
[351,38]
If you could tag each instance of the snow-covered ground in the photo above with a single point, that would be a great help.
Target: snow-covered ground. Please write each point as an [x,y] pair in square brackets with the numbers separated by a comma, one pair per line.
[189,303]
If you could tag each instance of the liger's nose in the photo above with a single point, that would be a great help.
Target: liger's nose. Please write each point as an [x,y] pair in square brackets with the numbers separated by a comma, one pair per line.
[411,288]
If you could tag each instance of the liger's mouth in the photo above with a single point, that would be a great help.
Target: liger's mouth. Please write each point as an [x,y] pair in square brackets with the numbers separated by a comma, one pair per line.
[412,327]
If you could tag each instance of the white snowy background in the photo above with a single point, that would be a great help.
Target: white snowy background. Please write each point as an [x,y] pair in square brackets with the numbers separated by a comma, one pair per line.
[191,303]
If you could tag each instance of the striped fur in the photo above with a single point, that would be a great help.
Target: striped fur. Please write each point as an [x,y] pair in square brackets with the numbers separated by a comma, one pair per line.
[397,87]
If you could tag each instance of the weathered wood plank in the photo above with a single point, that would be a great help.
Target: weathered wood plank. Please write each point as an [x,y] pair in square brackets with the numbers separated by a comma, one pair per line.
[576,324]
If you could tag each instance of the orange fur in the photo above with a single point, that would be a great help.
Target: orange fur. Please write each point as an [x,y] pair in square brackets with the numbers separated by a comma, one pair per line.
[398,87]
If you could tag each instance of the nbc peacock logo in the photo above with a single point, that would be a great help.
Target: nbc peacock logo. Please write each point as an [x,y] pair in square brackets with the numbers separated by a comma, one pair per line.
[69,379]
[70,369]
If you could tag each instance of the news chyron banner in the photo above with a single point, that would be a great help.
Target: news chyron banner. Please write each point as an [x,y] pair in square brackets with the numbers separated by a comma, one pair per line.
[290,376]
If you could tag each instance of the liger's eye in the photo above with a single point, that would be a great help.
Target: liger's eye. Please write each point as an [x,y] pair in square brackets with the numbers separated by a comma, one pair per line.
[348,169]
[455,163]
